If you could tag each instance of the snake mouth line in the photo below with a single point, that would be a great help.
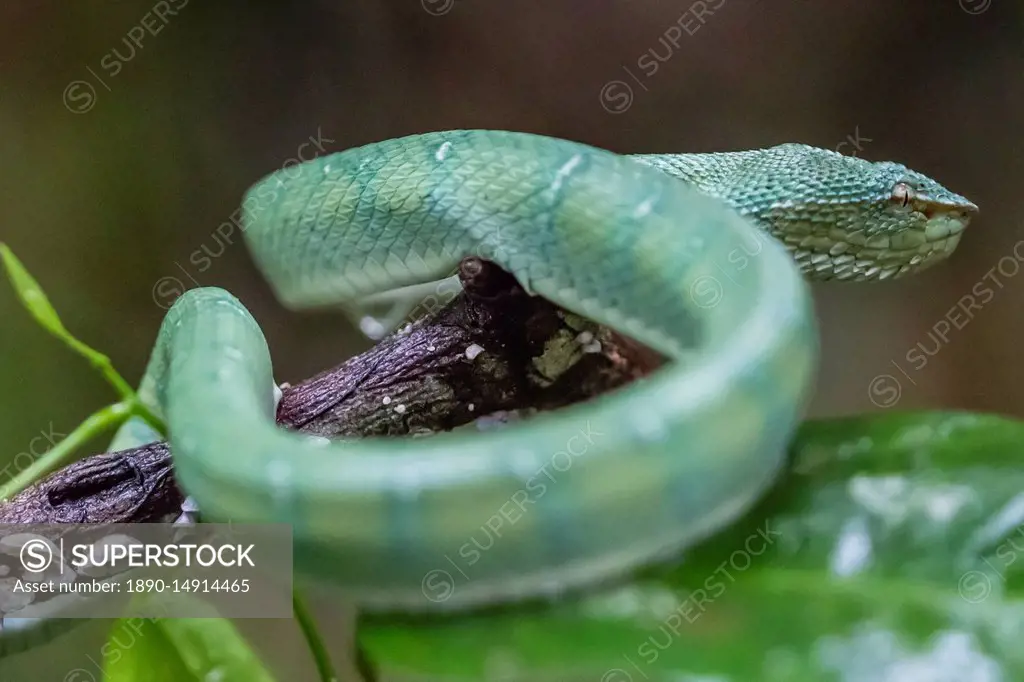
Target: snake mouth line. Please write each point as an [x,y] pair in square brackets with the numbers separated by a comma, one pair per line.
[875,264]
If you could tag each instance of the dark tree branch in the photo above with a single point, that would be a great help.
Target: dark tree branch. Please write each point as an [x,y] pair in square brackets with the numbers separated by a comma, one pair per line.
[120,487]
[493,354]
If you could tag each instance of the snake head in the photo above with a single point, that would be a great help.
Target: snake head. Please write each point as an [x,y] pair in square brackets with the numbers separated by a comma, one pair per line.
[847,218]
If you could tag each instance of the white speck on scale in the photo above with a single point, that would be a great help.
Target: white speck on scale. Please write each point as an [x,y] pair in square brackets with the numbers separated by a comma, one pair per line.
[280,474]
[400,409]
[442,151]
[644,209]
[564,172]
[473,350]
[387,400]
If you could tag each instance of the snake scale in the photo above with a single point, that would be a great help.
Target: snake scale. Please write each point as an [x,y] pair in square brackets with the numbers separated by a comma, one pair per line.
[668,249]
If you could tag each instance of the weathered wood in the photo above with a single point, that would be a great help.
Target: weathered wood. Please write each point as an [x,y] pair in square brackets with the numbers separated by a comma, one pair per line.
[491,355]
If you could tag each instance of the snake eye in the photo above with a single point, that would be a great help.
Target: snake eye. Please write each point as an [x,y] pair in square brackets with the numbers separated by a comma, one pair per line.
[902,193]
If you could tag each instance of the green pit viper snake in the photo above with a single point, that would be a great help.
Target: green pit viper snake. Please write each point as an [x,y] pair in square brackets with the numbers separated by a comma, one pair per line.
[667,249]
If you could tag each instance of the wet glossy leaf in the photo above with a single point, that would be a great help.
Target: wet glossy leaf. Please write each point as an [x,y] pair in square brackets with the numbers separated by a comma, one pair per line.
[892,551]
[33,298]
[31,294]
[179,650]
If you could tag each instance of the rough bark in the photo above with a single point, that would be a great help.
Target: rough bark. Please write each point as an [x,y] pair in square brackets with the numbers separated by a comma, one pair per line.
[491,355]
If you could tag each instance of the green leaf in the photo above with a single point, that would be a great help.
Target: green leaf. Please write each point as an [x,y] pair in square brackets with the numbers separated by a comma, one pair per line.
[31,294]
[889,552]
[180,650]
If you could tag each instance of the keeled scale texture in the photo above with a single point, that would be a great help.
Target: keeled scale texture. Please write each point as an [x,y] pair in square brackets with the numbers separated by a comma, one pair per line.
[600,488]
[408,524]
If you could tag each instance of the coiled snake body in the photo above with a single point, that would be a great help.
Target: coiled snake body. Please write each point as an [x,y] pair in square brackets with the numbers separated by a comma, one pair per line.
[679,266]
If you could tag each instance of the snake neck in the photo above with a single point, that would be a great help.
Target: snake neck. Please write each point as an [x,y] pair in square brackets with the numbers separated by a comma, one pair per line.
[840,217]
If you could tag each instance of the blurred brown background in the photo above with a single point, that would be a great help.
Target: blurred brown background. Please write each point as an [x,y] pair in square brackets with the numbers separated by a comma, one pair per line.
[130,131]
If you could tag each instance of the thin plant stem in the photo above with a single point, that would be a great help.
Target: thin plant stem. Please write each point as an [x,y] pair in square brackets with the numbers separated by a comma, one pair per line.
[106,369]
[112,416]
[316,644]
[363,664]
[60,454]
